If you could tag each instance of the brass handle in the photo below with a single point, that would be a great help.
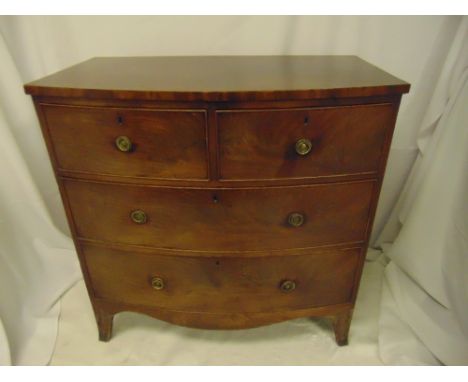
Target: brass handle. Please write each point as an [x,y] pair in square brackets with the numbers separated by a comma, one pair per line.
[138,217]
[157,283]
[303,146]
[123,143]
[296,219]
[287,286]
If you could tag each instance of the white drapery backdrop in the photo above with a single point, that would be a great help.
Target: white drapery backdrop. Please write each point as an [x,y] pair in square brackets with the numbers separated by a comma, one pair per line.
[37,262]
[425,295]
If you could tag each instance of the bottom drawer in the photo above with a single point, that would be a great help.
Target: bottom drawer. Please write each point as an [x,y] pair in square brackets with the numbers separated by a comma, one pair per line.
[223,284]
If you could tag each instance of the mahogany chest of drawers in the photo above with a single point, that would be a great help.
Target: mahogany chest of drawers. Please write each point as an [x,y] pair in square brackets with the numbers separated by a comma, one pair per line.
[220,192]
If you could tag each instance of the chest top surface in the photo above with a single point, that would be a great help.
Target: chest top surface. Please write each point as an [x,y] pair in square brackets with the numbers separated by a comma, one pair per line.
[220,78]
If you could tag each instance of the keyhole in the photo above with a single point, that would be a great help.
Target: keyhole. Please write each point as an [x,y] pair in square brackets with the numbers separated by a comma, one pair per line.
[215,199]
[120,120]
[306,120]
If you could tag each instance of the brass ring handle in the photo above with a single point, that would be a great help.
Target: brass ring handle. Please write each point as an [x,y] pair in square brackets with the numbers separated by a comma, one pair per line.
[296,219]
[303,146]
[157,283]
[138,216]
[287,286]
[123,143]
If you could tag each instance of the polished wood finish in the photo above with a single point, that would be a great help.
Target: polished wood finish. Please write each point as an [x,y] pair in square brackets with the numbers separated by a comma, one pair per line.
[165,144]
[223,284]
[234,229]
[229,78]
[253,219]
[219,321]
[105,321]
[260,144]
[341,323]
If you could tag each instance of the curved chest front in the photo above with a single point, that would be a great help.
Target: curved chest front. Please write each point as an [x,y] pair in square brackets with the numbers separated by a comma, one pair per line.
[217,214]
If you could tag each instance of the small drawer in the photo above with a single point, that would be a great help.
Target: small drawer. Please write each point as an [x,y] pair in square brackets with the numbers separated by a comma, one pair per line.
[223,284]
[302,143]
[254,219]
[127,142]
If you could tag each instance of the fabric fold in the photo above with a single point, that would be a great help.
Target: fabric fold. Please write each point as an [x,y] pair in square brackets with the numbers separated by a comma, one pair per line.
[429,257]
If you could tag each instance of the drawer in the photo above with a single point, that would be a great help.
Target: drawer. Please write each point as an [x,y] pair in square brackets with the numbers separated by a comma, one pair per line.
[223,284]
[302,143]
[221,219]
[129,142]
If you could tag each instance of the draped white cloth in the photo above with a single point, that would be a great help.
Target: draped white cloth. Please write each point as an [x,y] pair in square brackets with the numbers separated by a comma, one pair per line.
[37,260]
[426,283]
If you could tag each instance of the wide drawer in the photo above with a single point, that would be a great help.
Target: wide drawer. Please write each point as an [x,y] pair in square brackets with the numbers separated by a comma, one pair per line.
[129,142]
[223,284]
[249,219]
[302,143]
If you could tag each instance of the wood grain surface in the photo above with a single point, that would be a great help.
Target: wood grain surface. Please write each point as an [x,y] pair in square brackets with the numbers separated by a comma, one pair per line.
[166,144]
[260,144]
[223,284]
[222,219]
[220,78]
[213,166]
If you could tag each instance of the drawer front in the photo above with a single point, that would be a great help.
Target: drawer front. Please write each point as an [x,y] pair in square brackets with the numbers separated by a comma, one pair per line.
[302,143]
[221,219]
[129,142]
[223,284]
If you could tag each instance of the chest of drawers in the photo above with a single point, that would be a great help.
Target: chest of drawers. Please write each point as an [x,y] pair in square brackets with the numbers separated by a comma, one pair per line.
[220,192]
